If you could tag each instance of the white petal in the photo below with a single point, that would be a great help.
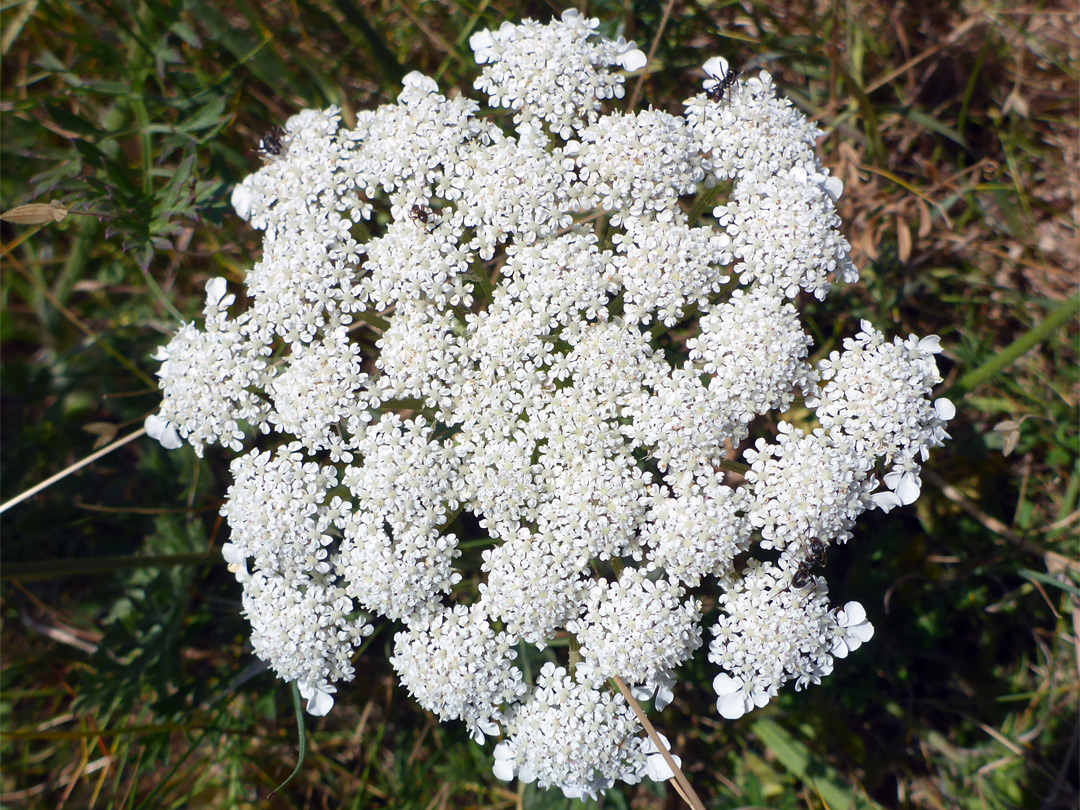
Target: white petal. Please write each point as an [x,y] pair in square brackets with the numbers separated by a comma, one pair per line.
[909,489]
[242,196]
[657,769]
[503,769]
[321,701]
[945,409]
[215,290]
[854,613]
[733,706]
[864,631]
[155,426]
[717,67]
[834,187]
[885,501]
[724,684]
[633,60]
[930,344]
[760,697]
[481,40]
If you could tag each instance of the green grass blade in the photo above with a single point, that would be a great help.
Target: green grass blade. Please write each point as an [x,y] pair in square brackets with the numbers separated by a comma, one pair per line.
[797,759]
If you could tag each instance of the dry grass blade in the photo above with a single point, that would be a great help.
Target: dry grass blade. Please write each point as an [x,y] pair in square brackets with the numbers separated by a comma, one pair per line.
[683,784]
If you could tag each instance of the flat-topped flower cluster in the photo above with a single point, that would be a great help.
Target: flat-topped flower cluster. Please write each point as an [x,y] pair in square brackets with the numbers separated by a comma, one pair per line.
[464,315]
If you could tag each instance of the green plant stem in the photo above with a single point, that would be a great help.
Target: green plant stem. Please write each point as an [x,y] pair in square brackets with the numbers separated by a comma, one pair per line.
[100,565]
[160,295]
[704,200]
[1057,318]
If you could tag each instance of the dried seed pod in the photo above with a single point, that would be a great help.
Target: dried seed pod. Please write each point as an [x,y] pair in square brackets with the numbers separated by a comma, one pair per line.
[36,213]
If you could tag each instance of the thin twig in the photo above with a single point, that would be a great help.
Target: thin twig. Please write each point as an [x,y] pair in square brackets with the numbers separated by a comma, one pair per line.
[648,60]
[1054,561]
[78,465]
[687,792]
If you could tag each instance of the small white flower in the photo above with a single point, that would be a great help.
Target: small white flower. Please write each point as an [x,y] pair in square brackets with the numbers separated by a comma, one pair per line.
[658,690]
[163,431]
[854,629]
[482,44]
[319,697]
[734,698]
[905,483]
[656,767]
[505,760]
[630,57]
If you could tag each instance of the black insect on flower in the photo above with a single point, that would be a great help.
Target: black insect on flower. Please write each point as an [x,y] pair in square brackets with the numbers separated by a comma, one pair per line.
[272,145]
[422,215]
[803,576]
[721,79]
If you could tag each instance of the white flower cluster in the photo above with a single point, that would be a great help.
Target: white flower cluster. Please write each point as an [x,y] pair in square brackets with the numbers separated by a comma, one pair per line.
[574,734]
[518,323]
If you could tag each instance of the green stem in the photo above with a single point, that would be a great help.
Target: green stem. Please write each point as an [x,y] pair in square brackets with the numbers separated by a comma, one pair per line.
[704,200]
[160,295]
[1057,318]
[372,319]
[734,466]
[101,565]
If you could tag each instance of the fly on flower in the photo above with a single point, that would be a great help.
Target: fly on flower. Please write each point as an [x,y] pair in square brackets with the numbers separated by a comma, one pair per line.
[721,78]
[272,145]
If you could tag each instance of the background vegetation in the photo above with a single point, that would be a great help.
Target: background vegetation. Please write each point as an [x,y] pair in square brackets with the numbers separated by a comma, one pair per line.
[126,680]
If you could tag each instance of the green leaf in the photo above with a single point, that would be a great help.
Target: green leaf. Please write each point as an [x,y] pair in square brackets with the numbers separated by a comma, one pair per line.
[796,757]
[303,739]
[1046,579]
[934,125]
[73,123]
[209,115]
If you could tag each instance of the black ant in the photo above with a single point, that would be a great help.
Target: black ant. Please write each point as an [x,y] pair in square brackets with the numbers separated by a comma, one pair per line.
[816,555]
[272,144]
[423,215]
[721,91]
